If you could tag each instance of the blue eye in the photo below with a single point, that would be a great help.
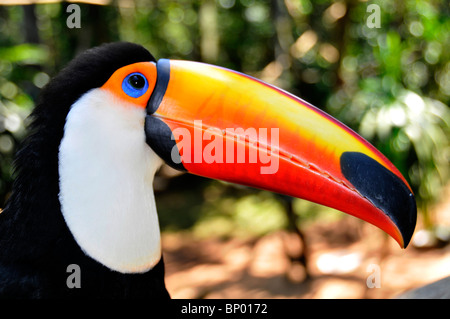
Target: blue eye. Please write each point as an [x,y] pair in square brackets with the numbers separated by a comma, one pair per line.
[135,85]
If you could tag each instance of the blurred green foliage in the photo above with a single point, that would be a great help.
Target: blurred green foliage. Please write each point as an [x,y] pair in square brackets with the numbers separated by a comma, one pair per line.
[391,84]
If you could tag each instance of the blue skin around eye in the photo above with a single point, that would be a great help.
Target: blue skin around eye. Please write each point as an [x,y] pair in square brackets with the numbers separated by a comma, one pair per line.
[132,91]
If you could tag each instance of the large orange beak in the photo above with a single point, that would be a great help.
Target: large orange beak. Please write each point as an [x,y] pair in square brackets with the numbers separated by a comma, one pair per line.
[225,125]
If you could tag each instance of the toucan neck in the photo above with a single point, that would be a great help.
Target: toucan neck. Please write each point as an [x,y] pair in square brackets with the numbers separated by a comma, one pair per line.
[106,174]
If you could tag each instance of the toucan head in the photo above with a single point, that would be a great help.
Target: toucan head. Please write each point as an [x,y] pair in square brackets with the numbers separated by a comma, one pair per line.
[131,113]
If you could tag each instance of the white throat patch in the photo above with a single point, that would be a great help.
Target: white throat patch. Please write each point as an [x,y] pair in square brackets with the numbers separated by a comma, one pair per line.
[106,174]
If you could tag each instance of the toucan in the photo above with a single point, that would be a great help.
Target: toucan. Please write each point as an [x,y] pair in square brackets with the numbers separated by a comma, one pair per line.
[103,126]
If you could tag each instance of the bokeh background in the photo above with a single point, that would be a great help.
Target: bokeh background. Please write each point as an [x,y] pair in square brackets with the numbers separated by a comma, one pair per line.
[391,84]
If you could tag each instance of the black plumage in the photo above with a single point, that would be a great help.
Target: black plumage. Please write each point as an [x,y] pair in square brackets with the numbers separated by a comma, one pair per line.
[36,246]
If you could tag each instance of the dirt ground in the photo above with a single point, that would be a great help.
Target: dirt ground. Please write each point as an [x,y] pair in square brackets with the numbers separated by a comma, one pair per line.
[345,259]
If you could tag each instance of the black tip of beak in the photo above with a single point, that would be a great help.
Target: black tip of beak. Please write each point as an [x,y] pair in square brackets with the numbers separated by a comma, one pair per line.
[384,189]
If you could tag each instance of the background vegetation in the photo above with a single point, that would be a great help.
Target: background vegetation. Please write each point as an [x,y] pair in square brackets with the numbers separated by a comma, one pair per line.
[391,84]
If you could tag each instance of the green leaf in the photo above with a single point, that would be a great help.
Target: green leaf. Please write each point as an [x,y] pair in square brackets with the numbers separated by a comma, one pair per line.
[25,53]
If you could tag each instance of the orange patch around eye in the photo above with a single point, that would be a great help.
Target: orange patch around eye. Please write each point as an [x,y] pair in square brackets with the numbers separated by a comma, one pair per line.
[114,83]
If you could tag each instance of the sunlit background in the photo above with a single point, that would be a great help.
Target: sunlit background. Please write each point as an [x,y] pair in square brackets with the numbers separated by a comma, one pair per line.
[391,84]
